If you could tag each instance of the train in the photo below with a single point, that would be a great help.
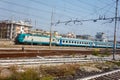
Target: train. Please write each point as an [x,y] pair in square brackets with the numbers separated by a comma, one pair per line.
[36,39]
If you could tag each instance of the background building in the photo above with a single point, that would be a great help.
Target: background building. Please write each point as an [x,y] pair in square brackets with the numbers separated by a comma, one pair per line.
[9,29]
[87,37]
[100,36]
[68,35]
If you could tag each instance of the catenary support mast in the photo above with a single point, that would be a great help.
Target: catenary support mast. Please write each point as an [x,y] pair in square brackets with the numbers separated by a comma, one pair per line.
[114,46]
[51,30]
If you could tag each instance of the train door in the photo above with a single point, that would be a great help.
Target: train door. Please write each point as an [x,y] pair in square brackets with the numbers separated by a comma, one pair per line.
[60,42]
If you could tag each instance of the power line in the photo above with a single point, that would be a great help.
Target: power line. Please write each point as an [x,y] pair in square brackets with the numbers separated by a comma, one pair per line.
[91,5]
[18,12]
[69,10]
[31,8]
[99,8]
[108,10]
[39,2]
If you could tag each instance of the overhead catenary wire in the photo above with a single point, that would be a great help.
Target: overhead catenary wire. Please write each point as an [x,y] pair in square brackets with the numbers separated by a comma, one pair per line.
[84,20]
[27,6]
[69,11]
[31,8]
[22,13]
[98,10]
[18,12]
[109,8]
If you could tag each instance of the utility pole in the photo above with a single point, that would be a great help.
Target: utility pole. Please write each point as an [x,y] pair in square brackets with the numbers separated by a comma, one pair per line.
[51,24]
[11,29]
[114,46]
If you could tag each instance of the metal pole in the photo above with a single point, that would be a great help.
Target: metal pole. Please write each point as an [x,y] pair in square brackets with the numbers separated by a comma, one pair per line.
[51,30]
[114,46]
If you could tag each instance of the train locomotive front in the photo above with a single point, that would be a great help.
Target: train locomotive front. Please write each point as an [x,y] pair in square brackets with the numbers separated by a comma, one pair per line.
[34,39]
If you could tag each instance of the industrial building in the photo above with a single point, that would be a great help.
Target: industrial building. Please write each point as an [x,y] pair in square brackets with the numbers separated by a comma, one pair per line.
[100,36]
[87,37]
[9,29]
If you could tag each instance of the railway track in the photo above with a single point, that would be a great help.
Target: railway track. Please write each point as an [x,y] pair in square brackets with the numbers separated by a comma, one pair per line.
[40,60]
[33,52]
[47,60]
[111,75]
[13,53]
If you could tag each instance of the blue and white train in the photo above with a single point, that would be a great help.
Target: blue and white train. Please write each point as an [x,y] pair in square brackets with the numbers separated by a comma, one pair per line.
[60,41]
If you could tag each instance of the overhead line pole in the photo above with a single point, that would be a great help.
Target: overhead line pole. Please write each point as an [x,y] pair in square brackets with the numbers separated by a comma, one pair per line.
[51,24]
[114,46]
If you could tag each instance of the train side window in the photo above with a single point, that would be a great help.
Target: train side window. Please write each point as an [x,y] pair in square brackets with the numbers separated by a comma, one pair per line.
[66,41]
[69,41]
[63,41]
[53,40]
[75,42]
[80,42]
[72,42]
